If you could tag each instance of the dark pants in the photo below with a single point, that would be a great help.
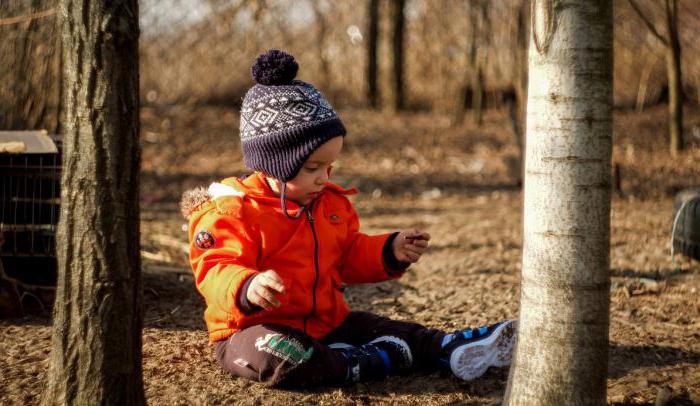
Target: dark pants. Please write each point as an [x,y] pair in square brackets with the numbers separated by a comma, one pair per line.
[282,356]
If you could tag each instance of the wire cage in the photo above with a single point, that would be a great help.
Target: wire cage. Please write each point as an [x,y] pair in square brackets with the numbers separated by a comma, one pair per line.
[29,206]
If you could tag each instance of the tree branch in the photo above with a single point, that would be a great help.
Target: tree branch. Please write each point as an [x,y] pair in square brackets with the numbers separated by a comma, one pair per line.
[648,22]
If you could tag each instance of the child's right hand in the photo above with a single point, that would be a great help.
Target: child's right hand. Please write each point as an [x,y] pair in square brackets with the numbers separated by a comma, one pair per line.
[263,289]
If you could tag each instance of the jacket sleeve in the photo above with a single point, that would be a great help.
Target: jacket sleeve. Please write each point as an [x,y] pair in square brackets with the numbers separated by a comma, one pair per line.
[221,270]
[363,259]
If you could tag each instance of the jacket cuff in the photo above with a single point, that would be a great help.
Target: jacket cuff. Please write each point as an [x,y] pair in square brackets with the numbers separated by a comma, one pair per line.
[242,300]
[392,265]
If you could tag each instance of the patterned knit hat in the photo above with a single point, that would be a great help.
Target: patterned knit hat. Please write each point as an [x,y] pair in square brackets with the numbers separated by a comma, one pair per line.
[283,120]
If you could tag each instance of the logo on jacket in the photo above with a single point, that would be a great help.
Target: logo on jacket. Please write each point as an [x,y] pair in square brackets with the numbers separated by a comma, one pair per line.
[204,240]
[286,348]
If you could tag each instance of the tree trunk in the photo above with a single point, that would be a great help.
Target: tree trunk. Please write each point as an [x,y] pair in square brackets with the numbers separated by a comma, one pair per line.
[480,59]
[675,79]
[29,69]
[96,345]
[520,81]
[397,17]
[562,351]
[322,33]
[470,72]
[372,45]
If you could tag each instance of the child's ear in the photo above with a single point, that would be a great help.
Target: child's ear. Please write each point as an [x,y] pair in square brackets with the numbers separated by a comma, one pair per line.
[329,170]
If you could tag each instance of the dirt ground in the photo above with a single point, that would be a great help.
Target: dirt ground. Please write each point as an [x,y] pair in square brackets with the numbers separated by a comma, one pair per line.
[413,170]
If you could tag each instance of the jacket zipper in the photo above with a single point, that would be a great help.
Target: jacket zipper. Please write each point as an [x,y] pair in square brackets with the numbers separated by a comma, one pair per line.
[313,297]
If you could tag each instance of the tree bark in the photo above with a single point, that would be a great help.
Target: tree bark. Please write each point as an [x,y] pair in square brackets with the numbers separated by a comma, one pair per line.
[562,351]
[675,79]
[96,345]
[397,17]
[372,45]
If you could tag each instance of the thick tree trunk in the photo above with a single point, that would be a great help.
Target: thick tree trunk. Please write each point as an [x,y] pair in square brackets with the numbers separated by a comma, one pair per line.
[397,17]
[372,45]
[96,347]
[562,350]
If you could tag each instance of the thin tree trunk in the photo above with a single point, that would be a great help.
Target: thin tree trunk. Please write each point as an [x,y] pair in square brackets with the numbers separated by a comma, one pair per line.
[675,79]
[372,45]
[397,17]
[562,351]
[520,84]
[470,71]
[644,83]
[96,345]
[480,59]
[321,46]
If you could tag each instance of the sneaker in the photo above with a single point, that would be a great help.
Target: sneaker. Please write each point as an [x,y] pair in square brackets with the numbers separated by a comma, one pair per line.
[471,352]
[398,352]
[383,356]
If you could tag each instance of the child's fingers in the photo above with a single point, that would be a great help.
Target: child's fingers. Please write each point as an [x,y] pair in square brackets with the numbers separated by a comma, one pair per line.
[419,243]
[267,297]
[416,235]
[258,300]
[412,257]
[414,249]
[272,280]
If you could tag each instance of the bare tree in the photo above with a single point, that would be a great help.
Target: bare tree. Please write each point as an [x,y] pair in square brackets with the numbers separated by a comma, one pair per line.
[372,45]
[30,65]
[321,44]
[96,344]
[562,351]
[672,46]
[517,109]
[477,55]
[398,21]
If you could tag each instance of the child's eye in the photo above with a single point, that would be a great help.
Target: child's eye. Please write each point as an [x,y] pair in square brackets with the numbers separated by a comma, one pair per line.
[311,169]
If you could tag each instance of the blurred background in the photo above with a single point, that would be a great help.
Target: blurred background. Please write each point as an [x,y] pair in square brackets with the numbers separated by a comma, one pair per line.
[198,52]
[432,93]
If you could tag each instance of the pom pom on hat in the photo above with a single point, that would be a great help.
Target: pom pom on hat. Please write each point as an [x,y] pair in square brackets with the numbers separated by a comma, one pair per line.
[275,68]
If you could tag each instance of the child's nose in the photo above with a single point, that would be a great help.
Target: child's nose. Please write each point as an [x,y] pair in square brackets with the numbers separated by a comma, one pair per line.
[324,177]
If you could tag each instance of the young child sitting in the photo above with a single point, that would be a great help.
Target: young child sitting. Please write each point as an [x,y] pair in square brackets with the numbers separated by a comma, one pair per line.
[271,254]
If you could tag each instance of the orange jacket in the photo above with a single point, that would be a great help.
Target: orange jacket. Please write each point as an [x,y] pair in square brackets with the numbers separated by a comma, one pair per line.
[242,230]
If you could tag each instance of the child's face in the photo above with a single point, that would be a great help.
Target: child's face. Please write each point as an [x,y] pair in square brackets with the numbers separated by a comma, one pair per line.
[315,172]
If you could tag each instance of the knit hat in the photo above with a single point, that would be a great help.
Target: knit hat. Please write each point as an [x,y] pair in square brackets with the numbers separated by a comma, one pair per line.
[283,120]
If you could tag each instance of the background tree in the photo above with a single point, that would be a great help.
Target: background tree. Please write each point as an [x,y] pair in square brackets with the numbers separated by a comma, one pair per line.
[517,107]
[479,29]
[672,47]
[96,344]
[372,45]
[562,350]
[30,49]
[398,22]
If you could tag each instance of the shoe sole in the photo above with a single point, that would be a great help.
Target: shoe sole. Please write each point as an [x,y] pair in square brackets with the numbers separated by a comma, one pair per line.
[471,360]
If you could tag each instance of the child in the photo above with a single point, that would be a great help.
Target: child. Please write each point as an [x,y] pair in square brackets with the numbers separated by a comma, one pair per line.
[272,251]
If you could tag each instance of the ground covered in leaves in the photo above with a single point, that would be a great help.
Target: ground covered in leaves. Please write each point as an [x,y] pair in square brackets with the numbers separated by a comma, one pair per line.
[413,170]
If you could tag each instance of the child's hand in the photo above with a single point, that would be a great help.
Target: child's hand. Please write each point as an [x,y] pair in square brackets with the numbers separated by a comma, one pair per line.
[410,245]
[263,288]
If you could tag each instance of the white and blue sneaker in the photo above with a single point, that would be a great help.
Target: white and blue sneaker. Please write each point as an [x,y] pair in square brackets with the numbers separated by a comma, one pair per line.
[469,353]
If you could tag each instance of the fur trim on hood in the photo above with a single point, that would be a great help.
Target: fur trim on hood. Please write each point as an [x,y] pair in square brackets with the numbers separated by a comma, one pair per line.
[192,199]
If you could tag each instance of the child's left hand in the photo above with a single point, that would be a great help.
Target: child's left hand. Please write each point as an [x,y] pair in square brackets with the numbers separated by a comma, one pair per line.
[409,245]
